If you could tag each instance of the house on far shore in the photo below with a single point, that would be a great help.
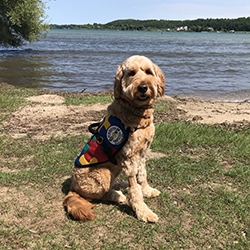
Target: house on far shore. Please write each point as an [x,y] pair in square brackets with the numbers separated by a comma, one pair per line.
[185,28]
[210,29]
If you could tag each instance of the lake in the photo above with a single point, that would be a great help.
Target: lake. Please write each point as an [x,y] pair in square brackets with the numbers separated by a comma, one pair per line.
[207,65]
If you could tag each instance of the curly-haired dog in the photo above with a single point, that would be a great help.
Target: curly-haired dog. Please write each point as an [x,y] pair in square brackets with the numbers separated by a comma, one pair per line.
[137,83]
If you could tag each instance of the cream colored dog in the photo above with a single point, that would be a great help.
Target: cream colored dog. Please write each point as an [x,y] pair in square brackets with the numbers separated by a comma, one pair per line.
[137,83]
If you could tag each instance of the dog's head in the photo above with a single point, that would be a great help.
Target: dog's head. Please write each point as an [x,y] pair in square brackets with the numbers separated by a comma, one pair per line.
[140,80]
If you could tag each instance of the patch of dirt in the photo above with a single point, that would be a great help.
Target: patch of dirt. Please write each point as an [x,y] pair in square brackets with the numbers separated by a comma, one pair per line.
[18,206]
[155,155]
[47,99]
[215,112]
[47,115]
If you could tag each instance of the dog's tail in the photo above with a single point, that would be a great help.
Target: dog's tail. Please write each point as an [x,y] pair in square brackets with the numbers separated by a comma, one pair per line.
[78,207]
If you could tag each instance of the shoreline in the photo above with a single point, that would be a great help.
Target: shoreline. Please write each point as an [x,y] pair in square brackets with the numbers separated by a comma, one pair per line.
[208,96]
[47,109]
[238,96]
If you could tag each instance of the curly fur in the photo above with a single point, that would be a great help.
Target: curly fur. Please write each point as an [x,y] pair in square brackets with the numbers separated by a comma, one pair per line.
[137,83]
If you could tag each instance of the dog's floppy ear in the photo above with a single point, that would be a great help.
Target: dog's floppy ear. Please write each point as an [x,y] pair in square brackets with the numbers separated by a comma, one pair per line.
[117,82]
[161,80]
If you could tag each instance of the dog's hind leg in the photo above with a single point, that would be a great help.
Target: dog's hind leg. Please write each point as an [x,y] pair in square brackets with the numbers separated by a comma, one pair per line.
[115,196]
[142,180]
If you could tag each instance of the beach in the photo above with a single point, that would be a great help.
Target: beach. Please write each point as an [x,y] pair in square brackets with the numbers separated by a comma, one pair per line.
[46,115]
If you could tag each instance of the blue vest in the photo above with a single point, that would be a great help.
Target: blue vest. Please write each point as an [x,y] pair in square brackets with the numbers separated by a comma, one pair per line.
[107,140]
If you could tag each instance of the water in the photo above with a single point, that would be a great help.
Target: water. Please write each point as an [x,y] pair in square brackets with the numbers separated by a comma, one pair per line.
[209,65]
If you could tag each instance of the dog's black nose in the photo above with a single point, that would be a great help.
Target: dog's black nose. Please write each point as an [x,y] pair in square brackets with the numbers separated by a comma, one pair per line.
[142,88]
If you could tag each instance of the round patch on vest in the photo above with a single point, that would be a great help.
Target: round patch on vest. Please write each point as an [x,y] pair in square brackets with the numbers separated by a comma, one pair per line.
[115,135]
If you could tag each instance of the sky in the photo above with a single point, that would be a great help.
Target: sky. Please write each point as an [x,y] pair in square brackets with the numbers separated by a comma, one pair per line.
[104,11]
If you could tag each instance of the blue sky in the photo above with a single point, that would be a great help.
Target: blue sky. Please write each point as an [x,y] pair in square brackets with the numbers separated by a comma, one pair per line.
[103,11]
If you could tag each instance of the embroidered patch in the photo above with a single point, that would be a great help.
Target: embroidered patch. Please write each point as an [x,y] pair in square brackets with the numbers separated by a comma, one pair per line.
[109,137]
[115,135]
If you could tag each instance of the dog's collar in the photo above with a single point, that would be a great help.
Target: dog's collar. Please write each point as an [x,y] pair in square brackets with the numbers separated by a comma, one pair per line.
[124,101]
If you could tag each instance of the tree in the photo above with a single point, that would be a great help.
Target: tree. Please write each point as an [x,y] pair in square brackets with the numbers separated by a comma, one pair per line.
[21,20]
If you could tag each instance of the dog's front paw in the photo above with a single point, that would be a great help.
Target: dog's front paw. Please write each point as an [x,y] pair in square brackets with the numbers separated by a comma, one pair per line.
[150,192]
[150,217]
[146,215]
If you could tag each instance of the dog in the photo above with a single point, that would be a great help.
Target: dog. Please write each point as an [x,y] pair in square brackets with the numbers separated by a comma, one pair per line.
[138,82]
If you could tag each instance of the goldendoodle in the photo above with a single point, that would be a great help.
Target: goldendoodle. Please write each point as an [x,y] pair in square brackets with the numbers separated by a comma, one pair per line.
[119,143]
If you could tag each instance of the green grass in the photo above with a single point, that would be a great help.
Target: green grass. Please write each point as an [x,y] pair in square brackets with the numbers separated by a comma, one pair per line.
[204,179]
[12,98]
[87,100]
[161,106]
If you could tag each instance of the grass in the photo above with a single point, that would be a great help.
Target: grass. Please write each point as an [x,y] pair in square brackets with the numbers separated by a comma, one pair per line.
[204,179]
[88,100]
[12,98]
[207,170]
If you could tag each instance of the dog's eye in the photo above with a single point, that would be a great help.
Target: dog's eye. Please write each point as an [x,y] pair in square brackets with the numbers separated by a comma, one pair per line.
[149,72]
[131,73]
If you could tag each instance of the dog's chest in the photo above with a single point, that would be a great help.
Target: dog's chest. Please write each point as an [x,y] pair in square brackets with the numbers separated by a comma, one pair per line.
[140,140]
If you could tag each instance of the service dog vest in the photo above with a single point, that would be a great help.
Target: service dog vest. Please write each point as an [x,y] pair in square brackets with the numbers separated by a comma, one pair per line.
[106,141]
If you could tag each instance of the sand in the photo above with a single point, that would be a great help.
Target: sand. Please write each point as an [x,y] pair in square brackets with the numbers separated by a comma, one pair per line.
[46,115]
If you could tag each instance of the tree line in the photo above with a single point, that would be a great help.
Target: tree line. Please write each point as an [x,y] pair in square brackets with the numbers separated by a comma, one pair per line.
[198,25]
[25,20]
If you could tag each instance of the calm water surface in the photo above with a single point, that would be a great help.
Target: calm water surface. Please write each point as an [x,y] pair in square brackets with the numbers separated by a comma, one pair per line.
[209,65]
